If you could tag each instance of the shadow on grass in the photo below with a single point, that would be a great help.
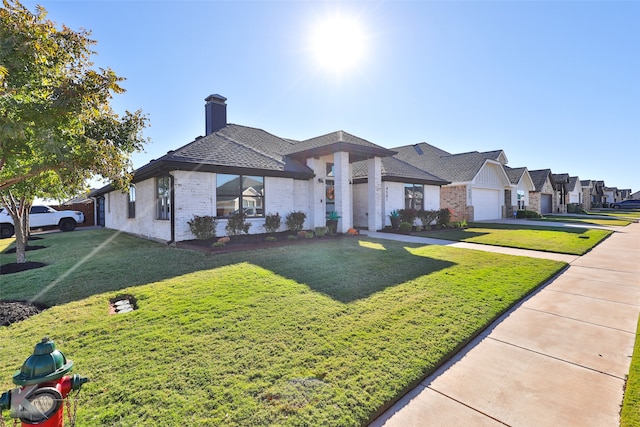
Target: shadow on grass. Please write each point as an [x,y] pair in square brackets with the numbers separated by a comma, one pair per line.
[355,272]
[99,261]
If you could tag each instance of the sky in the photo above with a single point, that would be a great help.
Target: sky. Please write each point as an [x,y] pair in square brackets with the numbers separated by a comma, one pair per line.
[555,84]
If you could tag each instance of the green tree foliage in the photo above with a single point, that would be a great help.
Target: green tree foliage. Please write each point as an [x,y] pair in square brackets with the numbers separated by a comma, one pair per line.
[57,127]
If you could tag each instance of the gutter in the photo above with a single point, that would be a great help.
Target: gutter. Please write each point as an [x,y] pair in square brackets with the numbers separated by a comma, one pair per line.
[172,204]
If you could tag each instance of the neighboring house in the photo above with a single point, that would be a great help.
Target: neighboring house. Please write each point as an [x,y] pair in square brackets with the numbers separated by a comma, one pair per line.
[625,194]
[478,181]
[574,189]
[587,188]
[521,179]
[542,199]
[597,194]
[611,195]
[635,196]
[236,167]
[561,187]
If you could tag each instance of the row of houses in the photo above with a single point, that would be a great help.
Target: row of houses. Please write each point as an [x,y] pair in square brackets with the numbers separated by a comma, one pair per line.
[234,167]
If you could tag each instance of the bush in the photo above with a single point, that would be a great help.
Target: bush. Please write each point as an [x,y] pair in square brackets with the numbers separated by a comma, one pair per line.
[309,235]
[527,214]
[295,221]
[270,239]
[272,222]
[444,216]
[405,227]
[291,237]
[203,227]
[321,231]
[427,217]
[237,224]
[408,215]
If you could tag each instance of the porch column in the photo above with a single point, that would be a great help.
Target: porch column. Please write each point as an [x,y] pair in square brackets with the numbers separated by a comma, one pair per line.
[374,190]
[344,204]
[317,193]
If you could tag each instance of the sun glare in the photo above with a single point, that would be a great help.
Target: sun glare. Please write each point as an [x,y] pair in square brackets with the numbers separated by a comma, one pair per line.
[338,43]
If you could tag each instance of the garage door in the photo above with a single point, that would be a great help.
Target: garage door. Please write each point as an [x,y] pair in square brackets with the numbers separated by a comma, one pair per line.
[486,204]
[546,203]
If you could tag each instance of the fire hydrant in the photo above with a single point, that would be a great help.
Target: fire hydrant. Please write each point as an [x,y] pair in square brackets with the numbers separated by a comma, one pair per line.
[43,387]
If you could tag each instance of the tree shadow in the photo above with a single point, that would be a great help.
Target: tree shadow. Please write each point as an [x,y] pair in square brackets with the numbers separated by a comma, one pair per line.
[359,271]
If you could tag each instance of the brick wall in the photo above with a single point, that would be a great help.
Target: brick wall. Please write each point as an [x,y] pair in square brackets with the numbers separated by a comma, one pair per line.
[454,197]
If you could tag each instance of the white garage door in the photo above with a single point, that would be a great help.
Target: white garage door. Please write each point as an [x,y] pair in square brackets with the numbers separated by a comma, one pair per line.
[486,204]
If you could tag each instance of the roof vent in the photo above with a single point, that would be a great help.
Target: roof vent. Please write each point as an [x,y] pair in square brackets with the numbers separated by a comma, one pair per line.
[418,149]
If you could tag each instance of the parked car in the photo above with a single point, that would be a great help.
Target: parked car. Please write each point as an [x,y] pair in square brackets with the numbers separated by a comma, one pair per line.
[626,204]
[41,216]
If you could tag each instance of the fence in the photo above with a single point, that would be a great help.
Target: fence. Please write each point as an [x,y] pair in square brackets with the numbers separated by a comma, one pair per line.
[86,208]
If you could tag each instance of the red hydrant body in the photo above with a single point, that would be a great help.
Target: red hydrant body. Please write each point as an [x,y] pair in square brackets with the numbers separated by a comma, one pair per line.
[44,386]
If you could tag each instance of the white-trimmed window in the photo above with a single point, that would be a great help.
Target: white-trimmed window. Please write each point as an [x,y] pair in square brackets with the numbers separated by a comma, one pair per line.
[235,192]
[163,197]
[132,201]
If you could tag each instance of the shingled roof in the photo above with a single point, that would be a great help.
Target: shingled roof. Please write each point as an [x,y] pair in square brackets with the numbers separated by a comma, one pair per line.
[396,170]
[539,177]
[358,148]
[514,174]
[461,167]
[232,149]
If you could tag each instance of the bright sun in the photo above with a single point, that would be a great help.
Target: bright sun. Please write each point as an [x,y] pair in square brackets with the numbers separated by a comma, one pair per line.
[338,43]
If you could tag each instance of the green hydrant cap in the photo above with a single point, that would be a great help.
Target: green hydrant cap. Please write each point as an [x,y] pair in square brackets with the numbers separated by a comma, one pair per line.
[45,364]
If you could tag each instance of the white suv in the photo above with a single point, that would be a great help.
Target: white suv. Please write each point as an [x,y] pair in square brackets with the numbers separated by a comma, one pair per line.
[42,216]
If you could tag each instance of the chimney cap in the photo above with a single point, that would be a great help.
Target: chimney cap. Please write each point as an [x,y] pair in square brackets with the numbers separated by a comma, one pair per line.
[216,98]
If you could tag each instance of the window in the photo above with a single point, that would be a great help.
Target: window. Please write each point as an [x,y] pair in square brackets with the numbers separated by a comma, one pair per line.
[413,196]
[235,192]
[163,197]
[132,201]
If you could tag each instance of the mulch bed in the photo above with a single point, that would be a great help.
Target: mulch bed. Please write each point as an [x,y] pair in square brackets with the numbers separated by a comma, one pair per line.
[15,311]
[247,242]
[16,268]
[28,248]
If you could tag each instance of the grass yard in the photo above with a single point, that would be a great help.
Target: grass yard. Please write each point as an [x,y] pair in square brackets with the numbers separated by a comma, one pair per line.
[616,213]
[321,334]
[607,222]
[564,240]
[630,414]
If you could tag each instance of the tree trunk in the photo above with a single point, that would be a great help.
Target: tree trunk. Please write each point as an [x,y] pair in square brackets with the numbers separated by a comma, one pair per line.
[22,238]
[19,211]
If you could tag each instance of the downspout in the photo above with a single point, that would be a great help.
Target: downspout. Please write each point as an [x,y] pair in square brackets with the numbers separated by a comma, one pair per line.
[172,206]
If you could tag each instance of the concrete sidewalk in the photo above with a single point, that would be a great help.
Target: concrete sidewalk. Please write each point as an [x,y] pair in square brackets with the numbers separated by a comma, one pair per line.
[557,359]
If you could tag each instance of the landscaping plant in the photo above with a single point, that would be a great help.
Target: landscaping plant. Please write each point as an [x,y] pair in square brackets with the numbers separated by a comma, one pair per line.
[272,222]
[237,224]
[203,227]
[295,221]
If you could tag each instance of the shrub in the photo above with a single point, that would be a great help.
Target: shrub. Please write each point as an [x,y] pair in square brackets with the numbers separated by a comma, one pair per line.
[527,214]
[218,244]
[321,231]
[270,239]
[444,216]
[272,222]
[237,224]
[427,217]
[203,227]
[309,235]
[405,227]
[295,221]
[291,237]
[408,215]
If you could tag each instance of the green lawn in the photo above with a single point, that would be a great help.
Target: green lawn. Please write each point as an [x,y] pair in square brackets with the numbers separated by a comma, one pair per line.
[608,222]
[321,334]
[565,240]
[634,214]
[630,415]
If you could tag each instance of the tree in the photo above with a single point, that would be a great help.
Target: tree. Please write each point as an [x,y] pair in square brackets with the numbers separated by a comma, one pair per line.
[57,127]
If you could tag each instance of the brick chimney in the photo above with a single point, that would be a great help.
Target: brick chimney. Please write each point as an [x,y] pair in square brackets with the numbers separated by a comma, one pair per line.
[215,111]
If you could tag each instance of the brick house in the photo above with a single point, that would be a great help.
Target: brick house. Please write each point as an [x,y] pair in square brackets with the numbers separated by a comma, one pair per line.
[237,167]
